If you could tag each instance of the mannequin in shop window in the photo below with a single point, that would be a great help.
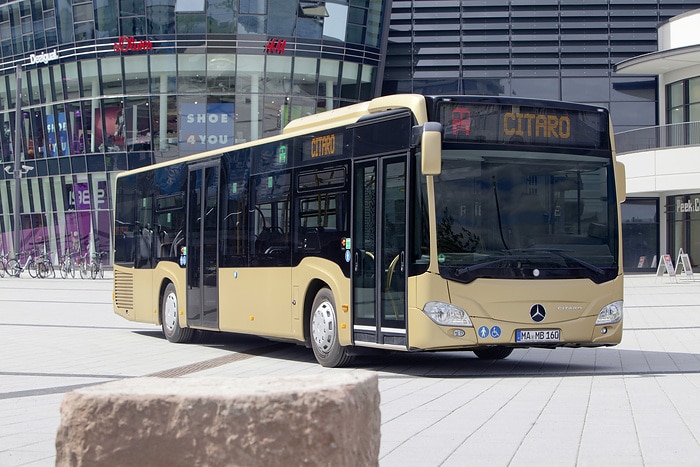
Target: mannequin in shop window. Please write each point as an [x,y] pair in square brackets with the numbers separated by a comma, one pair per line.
[119,129]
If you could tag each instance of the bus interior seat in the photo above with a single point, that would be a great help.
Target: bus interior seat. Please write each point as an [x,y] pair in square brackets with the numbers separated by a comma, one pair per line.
[165,249]
[598,231]
[311,238]
[271,241]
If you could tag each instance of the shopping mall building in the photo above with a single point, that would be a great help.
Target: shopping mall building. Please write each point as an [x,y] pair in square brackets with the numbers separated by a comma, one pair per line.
[114,85]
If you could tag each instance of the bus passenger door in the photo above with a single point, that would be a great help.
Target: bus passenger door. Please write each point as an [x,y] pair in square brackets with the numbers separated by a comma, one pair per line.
[202,246]
[379,253]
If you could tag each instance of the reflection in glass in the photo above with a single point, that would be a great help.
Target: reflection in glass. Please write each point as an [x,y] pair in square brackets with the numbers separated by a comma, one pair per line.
[335,24]
[221,16]
[507,215]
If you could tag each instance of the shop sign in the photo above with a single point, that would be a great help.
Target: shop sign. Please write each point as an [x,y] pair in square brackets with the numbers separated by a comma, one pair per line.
[44,58]
[275,46]
[206,126]
[130,44]
[688,206]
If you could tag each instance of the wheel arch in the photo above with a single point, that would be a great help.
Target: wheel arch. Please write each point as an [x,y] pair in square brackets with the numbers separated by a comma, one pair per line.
[165,275]
[163,284]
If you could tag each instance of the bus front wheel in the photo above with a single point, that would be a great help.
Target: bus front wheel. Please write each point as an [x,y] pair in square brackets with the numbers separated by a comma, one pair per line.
[323,325]
[496,352]
[169,317]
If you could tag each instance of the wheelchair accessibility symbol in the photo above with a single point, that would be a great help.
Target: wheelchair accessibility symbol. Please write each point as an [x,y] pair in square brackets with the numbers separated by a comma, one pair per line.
[494,332]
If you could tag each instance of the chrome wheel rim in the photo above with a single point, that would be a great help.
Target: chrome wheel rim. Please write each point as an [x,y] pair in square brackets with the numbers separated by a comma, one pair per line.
[170,312]
[323,327]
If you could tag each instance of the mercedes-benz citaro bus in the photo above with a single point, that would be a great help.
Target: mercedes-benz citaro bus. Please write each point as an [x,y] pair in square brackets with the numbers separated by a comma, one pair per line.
[406,223]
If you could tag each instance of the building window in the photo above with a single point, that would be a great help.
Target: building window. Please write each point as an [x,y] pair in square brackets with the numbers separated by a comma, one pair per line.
[640,234]
[675,102]
[683,218]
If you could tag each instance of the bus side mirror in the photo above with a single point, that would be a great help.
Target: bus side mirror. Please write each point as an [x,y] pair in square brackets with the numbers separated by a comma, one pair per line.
[431,149]
[620,182]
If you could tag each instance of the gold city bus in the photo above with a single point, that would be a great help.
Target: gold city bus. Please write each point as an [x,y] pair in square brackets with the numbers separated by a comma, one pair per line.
[405,223]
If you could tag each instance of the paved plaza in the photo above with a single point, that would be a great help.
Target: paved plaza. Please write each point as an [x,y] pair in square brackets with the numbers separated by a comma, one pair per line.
[634,404]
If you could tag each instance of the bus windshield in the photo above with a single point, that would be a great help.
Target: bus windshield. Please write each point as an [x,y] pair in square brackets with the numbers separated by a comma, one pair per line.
[508,214]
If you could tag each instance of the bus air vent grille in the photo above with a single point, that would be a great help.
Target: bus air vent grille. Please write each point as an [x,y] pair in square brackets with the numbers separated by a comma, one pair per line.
[124,290]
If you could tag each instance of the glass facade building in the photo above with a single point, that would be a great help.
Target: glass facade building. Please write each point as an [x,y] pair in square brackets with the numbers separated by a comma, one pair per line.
[112,85]
[663,168]
[554,49]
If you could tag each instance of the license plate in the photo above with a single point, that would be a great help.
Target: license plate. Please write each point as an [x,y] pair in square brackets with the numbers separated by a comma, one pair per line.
[537,335]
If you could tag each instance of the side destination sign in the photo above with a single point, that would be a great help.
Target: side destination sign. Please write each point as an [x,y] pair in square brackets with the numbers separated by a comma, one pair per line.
[498,123]
[322,146]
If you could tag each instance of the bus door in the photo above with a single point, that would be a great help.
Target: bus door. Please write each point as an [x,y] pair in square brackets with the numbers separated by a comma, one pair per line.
[379,250]
[202,246]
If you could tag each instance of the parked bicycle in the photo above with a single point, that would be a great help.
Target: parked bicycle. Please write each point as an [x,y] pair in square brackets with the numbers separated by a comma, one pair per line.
[15,267]
[44,266]
[83,266]
[4,258]
[96,265]
[66,266]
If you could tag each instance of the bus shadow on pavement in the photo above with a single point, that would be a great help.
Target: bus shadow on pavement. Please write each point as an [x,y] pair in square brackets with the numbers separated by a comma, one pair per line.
[536,363]
[529,363]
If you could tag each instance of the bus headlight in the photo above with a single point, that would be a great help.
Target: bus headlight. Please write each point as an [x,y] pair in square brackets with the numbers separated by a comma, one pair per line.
[447,314]
[610,314]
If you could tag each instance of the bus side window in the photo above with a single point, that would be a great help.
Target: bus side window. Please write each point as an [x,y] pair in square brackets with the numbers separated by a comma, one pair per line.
[271,221]
[322,225]
[170,222]
[234,226]
[125,215]
[143,232]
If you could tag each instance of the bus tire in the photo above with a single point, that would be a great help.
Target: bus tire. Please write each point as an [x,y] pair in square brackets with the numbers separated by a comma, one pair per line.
[323,330]
[169,317]
[496,352]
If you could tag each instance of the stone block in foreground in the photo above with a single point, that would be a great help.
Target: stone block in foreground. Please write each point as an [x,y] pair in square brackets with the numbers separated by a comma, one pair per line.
[329,419]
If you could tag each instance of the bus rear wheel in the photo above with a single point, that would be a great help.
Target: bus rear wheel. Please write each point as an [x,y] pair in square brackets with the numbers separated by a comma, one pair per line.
[169,317]
[323,326]
[496,352]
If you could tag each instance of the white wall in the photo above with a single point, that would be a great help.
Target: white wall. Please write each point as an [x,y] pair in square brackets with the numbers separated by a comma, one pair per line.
[679,31]
[667,171]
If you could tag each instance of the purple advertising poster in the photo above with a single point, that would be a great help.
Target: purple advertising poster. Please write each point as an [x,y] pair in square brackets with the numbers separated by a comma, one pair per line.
[206,126]
[81,192]
[114,126]
[72,234]
[103,218]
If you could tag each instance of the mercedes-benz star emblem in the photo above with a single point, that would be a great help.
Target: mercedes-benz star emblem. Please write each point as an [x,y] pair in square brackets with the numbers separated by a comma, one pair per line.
[537,313]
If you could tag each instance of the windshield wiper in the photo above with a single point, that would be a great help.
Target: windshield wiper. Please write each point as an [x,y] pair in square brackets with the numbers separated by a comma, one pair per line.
[512,257]
[562,254]
[485,264]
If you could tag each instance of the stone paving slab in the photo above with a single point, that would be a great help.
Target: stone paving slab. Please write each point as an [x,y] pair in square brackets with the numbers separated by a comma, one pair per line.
[633,404]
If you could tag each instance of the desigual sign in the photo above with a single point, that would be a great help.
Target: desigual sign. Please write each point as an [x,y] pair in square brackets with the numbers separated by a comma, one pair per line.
[44,58]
